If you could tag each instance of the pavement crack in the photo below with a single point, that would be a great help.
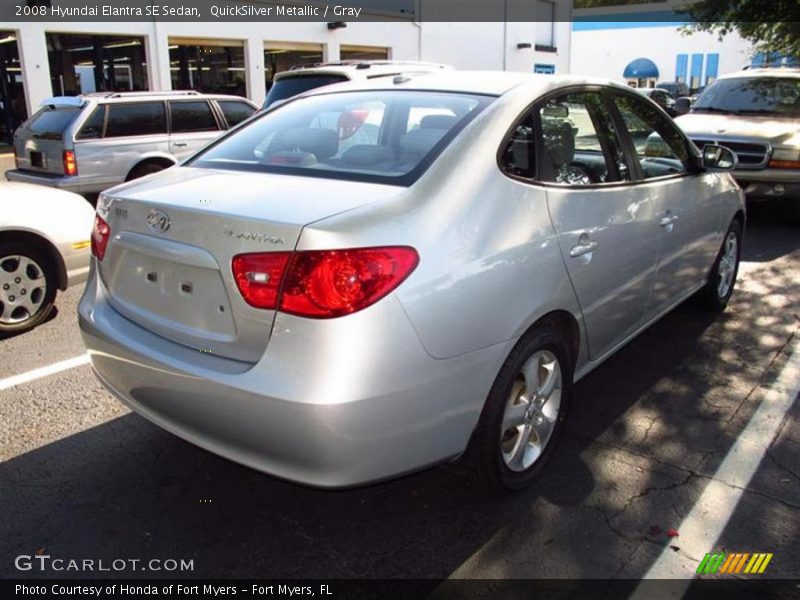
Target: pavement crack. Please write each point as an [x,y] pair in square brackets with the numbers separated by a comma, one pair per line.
[782,466]
[654,488]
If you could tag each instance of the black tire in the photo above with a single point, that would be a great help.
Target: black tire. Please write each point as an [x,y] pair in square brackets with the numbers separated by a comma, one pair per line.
[793,208]
[13,320]
[486,452]
[143,169]
[711,296]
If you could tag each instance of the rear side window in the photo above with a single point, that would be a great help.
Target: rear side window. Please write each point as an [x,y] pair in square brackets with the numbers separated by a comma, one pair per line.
[361,136]
[187,117]
[139,118]
[93,126]
[291,86]
[51,122]
[235,112]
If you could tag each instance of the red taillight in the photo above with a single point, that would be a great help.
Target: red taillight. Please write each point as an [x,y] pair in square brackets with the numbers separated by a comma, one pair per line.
[332,283]
[70,164]
[259,277]
[322,284]
[100,235]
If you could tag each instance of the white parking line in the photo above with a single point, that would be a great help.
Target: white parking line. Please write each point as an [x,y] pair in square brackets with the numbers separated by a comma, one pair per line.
[705,523]
[64,365]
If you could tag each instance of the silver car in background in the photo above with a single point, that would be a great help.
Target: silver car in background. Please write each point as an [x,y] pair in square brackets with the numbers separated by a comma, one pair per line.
[381,276]
[89,143]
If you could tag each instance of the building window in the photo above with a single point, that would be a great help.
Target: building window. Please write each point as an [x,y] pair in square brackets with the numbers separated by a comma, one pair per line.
[544,69]
[681,66]
[545,25]
[208,66]
[13,109]
[712,68]
[363,53]
[696,76]
[83,63]
[283,56]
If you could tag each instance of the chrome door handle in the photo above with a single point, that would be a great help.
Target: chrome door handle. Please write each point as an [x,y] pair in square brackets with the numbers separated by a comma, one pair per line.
[582,248]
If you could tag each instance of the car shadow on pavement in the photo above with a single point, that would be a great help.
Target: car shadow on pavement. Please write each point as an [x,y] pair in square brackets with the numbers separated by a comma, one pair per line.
[645,430]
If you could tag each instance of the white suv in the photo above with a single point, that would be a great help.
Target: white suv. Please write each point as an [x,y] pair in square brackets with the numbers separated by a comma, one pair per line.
[302,79]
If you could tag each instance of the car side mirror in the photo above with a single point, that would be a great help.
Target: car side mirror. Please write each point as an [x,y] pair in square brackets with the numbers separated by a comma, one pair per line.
[682,105]
[719,158]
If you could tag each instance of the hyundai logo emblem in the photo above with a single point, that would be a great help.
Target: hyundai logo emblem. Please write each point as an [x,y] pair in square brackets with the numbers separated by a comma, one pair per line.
[157,220]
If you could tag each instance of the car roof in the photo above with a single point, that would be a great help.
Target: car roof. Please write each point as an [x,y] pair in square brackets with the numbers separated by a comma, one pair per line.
[788,72]
[491,83]
[362,69]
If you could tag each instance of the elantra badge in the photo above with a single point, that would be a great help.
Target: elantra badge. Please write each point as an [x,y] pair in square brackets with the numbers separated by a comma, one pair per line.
[157,220]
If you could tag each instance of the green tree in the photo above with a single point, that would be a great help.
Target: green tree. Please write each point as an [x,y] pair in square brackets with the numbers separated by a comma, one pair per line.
[755,20]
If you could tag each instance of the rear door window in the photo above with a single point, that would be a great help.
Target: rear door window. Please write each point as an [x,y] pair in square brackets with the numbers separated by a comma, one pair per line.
[51,122]
[92,128]
[136,118]
[235,112]
[579,143]
[188,117]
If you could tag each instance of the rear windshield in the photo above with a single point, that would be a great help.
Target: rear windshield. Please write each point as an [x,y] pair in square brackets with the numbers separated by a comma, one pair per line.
[770,96]
[382,136]
[291,86]
[51,122]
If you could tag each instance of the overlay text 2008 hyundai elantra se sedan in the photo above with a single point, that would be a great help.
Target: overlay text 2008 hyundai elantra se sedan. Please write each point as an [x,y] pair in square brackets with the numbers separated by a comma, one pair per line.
[385,275]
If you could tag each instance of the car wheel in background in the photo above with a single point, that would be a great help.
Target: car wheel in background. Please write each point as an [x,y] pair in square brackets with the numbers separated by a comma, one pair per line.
[525,412]
[27,287]
[722,279]
[147,168]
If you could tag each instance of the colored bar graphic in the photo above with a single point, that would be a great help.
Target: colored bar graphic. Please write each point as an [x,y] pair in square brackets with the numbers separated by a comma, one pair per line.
[734,563]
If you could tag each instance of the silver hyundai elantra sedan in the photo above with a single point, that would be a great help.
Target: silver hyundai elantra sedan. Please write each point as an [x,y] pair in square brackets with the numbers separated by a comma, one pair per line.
[385,275]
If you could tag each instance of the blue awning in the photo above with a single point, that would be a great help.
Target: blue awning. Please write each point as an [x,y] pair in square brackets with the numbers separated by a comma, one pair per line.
[641,68]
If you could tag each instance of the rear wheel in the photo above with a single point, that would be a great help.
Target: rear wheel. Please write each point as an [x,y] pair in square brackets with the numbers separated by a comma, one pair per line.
[27,287]
[525,411]
[147,168]
[722,279]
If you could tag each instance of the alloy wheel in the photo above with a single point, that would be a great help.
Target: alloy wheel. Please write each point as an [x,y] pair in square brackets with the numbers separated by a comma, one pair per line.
[23,288]
[727,264]
[531,411]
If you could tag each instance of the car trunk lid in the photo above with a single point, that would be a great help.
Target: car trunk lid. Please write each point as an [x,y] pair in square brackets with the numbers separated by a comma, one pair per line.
[173,237]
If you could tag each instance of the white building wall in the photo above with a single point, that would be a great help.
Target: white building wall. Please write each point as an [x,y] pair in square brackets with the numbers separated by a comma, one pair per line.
[493,46]
[462,45]
[606,52]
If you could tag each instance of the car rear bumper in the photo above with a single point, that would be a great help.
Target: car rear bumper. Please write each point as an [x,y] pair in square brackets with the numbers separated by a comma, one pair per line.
[320,408]
[70,184]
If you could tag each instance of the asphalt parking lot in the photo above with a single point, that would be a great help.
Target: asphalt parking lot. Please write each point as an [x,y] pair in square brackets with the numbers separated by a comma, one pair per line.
[651,434]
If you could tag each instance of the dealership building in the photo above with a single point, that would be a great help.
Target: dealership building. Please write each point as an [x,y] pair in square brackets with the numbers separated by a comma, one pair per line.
[43,59]
[641,45]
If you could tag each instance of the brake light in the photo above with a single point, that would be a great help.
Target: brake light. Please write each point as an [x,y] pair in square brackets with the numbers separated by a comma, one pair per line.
[70,164]
[100,235]
[322,284]
[333,283]
[259,276]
